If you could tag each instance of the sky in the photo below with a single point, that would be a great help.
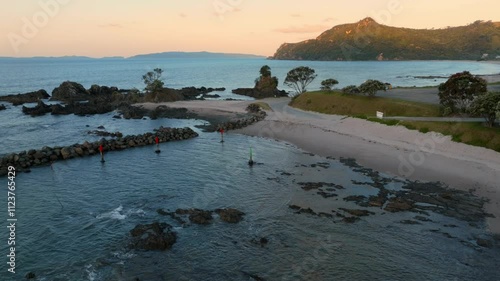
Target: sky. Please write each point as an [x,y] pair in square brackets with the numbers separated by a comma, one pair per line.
[101,28]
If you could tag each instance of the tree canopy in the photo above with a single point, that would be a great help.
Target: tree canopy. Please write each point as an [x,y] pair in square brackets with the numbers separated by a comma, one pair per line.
[370,87]
[460,90]
[486,106]
[153,82]
[299,77]
[327,85]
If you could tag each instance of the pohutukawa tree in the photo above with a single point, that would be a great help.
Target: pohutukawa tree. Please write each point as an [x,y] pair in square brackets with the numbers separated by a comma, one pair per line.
[327,85]
[457,94]
[486,106]
[370,87]
[299,78]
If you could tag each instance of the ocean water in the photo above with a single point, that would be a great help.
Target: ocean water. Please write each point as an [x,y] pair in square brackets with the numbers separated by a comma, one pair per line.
[74,218]
[24,75]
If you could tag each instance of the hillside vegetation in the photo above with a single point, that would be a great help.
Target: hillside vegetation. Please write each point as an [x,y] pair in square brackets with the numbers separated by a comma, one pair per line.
[368,40]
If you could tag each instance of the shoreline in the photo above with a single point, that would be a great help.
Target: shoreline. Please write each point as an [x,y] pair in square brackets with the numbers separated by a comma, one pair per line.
[395,151]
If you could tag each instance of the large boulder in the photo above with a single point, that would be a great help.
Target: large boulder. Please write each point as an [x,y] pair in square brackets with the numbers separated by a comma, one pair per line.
[70,91]
[155,236]
[26,97]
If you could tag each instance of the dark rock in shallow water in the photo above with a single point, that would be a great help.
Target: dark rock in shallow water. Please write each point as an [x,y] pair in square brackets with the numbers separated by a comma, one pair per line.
[230,215]
[40,109]
[258,94]
[26,98]
[30,275]
[155,236]
[2,107]
[484,243]
[201,217]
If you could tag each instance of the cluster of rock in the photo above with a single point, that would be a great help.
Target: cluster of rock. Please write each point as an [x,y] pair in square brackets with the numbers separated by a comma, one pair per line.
[243,122]
[25,98]
[100,99]
[2,107]
[101,133]
[22,161]
[259,94]
[160,236]
[204,217]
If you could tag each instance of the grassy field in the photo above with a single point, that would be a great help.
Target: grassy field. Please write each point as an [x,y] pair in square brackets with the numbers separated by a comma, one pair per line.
[363,107]
[352,105]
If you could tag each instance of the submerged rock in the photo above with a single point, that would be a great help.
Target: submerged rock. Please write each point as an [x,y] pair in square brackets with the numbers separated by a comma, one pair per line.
[230,215]
[155,236]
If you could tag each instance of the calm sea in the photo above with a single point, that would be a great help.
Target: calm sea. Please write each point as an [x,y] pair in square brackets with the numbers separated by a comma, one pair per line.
[74,217]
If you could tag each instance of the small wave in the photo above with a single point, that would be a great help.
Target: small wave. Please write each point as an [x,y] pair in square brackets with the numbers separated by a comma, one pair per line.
[115,214]
[92,275]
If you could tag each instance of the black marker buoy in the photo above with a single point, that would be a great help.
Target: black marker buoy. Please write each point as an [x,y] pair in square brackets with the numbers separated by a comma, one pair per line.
[157,151]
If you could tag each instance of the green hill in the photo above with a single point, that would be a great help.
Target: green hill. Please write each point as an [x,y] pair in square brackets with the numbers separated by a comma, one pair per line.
[368,40]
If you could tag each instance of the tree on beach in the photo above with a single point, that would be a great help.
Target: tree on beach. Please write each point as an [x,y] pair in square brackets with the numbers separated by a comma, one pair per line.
[370,87]
[457,94]
[327,85]
[351,89]
[486,106]
[153,82]
[298,78]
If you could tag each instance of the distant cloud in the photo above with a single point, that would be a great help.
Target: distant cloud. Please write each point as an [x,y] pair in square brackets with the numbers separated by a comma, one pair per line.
[303,29]
[182,15]
[111,25]
[296,15]
[330,20]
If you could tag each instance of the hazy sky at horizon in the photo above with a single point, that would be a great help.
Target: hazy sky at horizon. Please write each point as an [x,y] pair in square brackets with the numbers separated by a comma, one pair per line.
[99,28]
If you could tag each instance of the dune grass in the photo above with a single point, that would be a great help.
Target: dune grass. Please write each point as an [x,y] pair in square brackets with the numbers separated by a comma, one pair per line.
[364,107]
[351,105]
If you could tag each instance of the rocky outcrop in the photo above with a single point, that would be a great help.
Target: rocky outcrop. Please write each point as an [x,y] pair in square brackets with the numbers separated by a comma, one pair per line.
[258,94]
[230,215]
[69,92]
[24,160]
[155,236]
[26,98]
[2,107]
[40,109]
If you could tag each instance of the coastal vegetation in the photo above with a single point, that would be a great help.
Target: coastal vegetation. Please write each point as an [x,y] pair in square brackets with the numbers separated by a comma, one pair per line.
[299,78]
[358,106]
[459,91]
[370,87]
[327,85]
[368,40]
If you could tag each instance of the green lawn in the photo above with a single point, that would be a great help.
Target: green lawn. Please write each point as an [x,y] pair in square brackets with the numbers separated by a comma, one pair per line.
[352,105]
[362,106]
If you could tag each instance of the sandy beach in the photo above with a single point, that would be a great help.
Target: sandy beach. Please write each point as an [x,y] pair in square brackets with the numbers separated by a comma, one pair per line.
[389,149]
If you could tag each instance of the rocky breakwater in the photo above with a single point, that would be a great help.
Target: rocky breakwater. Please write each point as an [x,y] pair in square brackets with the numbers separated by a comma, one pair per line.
[24,160]
[256,115]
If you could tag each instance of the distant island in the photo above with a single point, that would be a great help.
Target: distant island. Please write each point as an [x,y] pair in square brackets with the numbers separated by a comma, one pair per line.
[164,55]
[369,40]
[200,55]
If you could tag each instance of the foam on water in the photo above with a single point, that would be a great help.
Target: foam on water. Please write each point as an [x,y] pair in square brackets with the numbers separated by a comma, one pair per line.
[114,214]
